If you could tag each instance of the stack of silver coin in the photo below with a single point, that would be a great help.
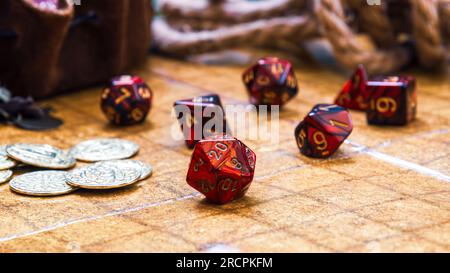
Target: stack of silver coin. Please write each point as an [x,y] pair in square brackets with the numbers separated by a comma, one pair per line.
[109,167]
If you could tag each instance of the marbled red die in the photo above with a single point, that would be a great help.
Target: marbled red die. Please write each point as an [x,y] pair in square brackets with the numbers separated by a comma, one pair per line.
[354,94]
[392,100]
[200,117]
[126,101]
[323,130]
[221,168]
[271,81]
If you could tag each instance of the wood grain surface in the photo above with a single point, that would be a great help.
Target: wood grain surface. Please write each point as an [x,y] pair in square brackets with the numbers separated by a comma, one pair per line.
[387,189]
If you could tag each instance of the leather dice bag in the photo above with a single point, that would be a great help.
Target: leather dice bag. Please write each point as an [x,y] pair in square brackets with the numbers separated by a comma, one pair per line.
[46,51]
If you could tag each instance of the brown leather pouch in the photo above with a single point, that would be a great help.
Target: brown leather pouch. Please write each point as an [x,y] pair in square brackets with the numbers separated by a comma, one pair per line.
[45,52]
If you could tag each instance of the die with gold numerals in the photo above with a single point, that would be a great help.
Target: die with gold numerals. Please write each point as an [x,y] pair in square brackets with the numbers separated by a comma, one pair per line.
[195,116]
[354,93]
[221,168]
[126,101]
[323,130]
[271,81]
[392,100]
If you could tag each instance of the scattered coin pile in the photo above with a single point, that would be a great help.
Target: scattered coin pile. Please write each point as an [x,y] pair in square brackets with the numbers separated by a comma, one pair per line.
[110,167]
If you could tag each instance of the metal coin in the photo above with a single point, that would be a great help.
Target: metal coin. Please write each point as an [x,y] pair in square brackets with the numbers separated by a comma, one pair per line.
[43,183]
[103,176]
[145,169]
[103,149]
[5,161]
[5,176]
[42,156]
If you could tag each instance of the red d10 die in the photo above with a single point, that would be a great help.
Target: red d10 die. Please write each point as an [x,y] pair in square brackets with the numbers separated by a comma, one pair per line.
[126,101]
[354,94]
[200,117]
[323,130]
[271,81]
[221,168]
[392,100]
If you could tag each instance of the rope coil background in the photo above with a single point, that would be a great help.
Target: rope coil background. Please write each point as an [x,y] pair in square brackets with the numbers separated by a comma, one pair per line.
[192,27]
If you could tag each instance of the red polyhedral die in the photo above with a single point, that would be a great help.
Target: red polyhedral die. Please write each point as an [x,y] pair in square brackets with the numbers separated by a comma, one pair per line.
[323,130]
[271,81]
[221,168]
[354,94]
[392,100]
[126,101]
[200,117]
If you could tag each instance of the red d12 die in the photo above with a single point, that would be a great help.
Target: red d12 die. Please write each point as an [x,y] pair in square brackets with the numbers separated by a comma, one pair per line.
[221,168]
[271,81]
[354,94]
[126,101]
[323,130]
[200,117]
[392,100]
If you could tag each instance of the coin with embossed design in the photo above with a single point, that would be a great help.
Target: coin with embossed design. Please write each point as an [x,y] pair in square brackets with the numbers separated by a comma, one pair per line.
[103,175]
[5,161]
[104,149]
[145,169]
[5,176]
[42,183]
[42,156]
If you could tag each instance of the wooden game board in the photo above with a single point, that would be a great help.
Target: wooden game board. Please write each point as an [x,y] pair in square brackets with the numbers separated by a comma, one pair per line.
[386,190]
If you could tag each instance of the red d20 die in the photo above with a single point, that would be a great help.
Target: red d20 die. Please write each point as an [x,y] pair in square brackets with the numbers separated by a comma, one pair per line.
[323,130]
[354,94]
[392,100]
[126,101]
[196,114]
[221,168]
[271,81]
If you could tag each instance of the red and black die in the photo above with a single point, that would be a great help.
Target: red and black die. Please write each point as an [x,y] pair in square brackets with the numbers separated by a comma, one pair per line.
[200,117]
[323,130]
[271,81]
[387,100]
[354,94]
[222,168]
[391,100]
[127,100]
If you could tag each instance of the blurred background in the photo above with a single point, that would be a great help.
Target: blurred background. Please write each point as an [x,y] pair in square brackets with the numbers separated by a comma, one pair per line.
[386,36]
[52,46]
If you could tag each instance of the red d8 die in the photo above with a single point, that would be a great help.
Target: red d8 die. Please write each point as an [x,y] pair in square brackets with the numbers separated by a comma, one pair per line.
[392,100]
[222,168]
[323,130]
[354,94]
[271,81]
[200,117]
[126,101]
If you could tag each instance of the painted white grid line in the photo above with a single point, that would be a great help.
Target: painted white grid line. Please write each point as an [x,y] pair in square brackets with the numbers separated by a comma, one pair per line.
[97,217]
[356,147]
[399,162]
